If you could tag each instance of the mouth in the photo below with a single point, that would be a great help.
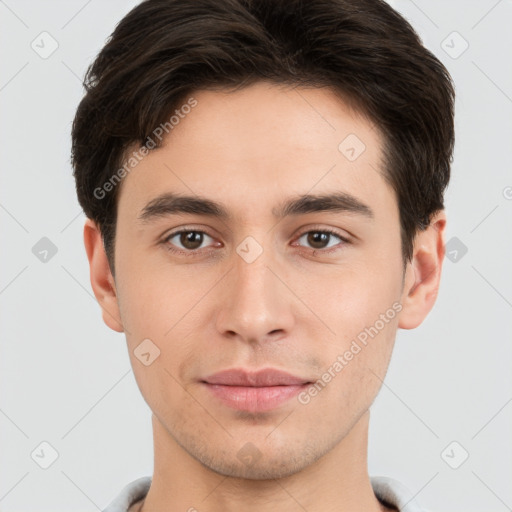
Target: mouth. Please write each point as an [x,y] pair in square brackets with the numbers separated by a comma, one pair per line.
[259,391]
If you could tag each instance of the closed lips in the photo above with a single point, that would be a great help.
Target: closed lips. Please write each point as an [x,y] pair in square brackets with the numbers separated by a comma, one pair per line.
[262,378]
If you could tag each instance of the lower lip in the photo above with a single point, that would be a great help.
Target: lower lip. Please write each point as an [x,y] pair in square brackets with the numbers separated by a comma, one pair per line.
[253,399]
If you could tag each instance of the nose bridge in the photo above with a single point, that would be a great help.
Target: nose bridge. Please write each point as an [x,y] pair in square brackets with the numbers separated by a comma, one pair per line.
[254,301]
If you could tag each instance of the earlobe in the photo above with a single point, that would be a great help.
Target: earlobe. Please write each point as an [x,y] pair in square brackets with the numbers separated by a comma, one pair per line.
[102,281]
[423,273]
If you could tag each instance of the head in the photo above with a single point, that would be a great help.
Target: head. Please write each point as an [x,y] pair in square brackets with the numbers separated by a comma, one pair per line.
[278,121]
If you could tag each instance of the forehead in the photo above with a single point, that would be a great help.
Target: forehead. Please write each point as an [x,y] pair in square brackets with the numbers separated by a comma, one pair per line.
[263,141]
[282,116]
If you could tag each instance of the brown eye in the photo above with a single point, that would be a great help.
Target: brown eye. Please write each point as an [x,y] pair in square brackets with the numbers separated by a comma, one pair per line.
[191,240]
[317,239]
[187,240]
[323,239]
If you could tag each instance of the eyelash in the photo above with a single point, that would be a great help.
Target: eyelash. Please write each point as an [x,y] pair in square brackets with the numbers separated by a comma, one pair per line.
[194,252]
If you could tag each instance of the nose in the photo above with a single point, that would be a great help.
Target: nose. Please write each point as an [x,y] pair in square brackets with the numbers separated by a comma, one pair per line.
[255,304]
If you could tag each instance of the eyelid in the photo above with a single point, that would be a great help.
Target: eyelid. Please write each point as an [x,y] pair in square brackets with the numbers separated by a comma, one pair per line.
[343,235]
[185,229]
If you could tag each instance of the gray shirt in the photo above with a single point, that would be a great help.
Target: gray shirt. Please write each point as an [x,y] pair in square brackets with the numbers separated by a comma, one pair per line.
[388,491]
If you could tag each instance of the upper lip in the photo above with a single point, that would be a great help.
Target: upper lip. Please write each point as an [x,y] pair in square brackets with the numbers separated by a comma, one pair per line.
[261,378]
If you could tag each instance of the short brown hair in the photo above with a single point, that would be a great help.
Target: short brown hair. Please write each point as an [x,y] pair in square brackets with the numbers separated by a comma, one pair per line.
[163,50]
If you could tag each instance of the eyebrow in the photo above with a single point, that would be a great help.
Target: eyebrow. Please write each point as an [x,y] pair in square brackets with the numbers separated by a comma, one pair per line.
[170,203]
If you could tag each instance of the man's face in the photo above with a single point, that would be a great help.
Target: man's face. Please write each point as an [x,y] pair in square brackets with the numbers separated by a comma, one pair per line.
[255,290]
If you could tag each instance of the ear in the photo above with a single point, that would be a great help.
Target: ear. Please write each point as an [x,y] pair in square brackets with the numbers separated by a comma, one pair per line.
[423,273]
[102,281]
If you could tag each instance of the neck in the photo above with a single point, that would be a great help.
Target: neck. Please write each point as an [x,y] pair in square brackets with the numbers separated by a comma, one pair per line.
[338,481]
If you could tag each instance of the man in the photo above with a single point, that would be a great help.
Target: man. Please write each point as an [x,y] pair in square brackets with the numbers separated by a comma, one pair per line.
[263,182]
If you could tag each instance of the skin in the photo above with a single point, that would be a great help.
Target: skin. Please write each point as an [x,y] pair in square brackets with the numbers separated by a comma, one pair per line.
[293,308]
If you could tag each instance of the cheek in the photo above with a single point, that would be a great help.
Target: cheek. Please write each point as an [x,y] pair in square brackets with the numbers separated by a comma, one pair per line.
[354,366]
[155,301]
[350,299]
[360,306]
[161,311]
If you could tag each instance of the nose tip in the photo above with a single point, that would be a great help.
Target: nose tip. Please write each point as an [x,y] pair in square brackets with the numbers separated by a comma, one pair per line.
[254,304]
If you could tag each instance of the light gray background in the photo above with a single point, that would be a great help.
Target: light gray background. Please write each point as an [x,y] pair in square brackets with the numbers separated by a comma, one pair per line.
[65,378]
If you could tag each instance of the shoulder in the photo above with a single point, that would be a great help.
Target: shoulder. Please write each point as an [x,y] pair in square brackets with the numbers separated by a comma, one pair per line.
[392,492]
[131,493]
